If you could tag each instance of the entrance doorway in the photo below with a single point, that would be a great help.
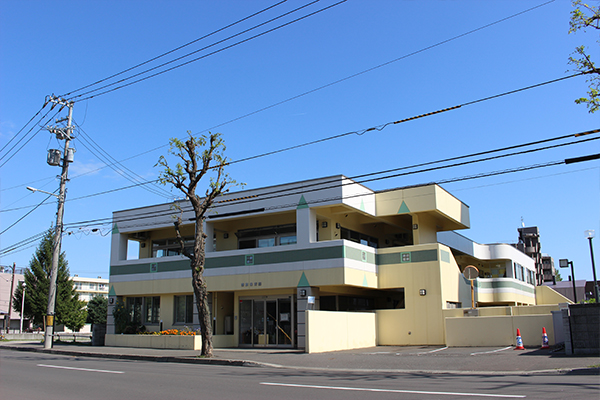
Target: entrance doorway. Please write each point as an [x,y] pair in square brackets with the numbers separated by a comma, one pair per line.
[267,322]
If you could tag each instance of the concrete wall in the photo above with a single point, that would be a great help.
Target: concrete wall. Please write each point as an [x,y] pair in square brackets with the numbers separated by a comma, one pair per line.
[155,341]
[498,330]
[335,330]
[547,295]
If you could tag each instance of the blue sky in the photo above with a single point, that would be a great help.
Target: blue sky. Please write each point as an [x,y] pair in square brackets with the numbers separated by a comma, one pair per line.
[59,46]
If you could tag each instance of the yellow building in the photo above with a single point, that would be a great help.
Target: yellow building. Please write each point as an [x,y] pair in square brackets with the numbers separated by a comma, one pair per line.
[328,244]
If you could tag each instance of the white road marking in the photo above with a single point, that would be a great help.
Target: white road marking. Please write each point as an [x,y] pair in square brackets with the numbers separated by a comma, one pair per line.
[492,351]
[81,369]
[393,390]
[432,351]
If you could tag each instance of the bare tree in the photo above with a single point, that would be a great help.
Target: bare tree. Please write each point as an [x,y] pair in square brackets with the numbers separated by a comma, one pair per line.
[585,16]
[200,157]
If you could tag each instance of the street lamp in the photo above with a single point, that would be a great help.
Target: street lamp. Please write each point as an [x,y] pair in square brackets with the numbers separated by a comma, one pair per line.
[590,233]
[564,263]
[24,285]
[42,191]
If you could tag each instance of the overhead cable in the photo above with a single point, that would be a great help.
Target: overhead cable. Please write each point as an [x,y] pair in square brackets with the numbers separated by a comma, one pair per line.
[174,50]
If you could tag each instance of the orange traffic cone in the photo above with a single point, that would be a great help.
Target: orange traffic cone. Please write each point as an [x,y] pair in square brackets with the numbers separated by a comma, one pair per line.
[519,341]
[545,344]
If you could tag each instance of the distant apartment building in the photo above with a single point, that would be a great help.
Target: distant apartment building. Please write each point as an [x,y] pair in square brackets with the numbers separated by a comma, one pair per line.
[88,288]
[8,280]
[548,270]
[529,243]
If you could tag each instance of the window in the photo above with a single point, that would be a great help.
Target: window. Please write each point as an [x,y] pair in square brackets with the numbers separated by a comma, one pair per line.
[171,247]
[269,236]
[359,238]
[143,310]
[152,309]
[134,308]
[184,309]
[92,286]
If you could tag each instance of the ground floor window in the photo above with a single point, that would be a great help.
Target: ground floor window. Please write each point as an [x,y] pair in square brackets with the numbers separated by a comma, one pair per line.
[143,310]
[152,310]
[184,309]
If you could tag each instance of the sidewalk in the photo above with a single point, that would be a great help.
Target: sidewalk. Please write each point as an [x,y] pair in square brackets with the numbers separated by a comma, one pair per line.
[405,359]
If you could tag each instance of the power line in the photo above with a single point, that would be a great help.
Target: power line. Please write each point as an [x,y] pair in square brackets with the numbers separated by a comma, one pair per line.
[376,67]
[356,179]
[379,128]
[125,172]
[174,50]
[28,140]
[20,130]
[26,242]
[206,55]
[23,217]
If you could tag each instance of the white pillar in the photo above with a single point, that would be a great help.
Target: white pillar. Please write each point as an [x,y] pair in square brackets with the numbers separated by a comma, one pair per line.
[306,226]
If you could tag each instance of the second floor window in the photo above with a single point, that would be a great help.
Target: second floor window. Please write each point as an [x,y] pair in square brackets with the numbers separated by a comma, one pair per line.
[170,247]
[269,236]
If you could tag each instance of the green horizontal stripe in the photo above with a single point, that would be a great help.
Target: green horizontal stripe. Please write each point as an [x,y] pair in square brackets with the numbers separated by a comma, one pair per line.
[326,253]
[145,268]
[503,285]
[415,256]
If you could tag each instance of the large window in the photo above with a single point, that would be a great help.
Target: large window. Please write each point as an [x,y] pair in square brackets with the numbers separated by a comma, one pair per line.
[152,309]
[269,236]
[171,247]
[184,309]
[144,310]
[359,238]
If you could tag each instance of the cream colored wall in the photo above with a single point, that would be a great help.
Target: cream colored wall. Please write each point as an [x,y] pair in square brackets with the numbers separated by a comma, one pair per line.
[167,312]
[452,207]
[497,331]
[421,321]
[358,278]
[336,330]
[409,327]
[222,307]
[427,229]
[274,280]
[153,287]
[504,297]
[547,295]
[417,199]
[454,287]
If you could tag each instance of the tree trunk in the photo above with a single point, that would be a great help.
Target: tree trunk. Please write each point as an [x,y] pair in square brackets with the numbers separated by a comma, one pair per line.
[201,295]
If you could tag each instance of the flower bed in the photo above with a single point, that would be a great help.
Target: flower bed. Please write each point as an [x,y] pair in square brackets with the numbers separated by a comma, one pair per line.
[156,341]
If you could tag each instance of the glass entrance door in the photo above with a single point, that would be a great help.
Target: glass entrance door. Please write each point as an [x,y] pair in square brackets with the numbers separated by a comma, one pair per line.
[266,322]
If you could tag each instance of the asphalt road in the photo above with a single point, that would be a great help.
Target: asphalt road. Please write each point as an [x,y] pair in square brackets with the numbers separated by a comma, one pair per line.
[44,376]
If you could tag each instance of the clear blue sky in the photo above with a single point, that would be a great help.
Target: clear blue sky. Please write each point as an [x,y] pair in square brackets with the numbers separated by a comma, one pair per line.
[59,46]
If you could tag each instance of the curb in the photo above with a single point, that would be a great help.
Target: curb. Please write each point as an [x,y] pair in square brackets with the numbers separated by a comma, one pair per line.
[248,363]
[132,357]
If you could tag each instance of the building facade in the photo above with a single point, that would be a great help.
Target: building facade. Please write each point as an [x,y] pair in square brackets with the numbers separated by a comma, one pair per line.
[88,288]
[324,244]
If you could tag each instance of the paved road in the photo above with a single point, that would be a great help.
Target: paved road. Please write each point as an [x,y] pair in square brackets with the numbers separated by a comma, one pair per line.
[29,375]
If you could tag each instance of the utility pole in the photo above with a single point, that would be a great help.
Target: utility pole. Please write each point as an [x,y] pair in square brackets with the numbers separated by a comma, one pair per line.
[66,134]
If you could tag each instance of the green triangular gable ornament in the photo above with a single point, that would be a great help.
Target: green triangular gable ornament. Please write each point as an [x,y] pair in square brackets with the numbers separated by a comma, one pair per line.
[302,203]
[403,208]
[303,282]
